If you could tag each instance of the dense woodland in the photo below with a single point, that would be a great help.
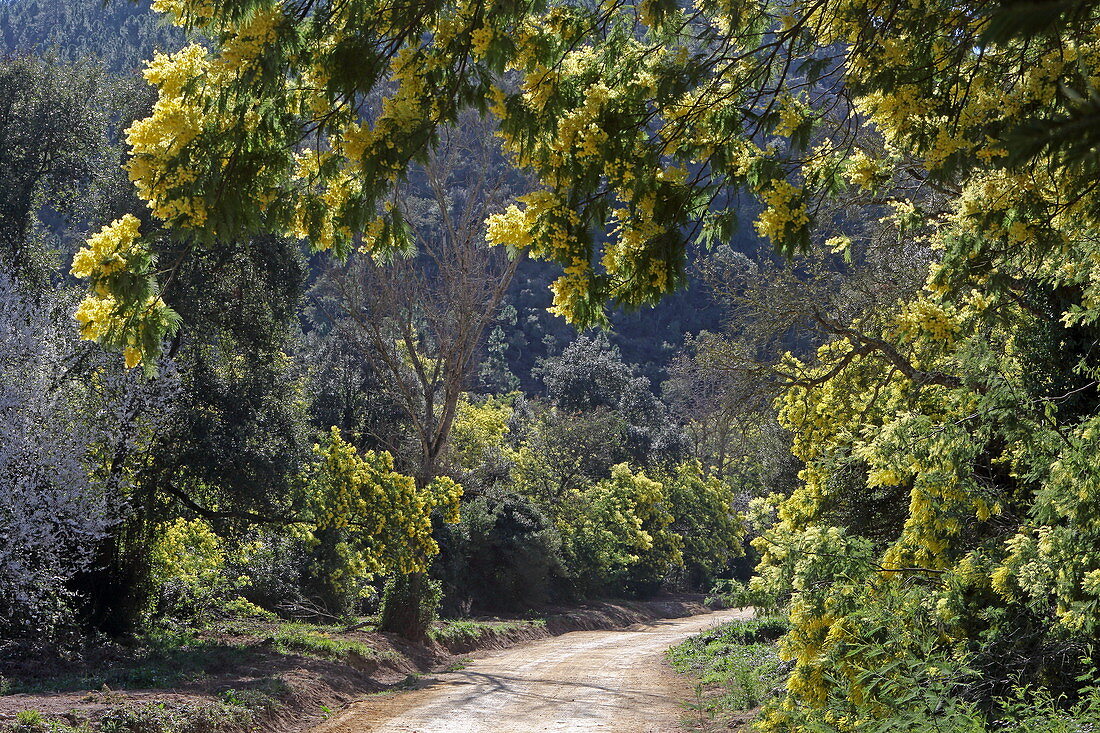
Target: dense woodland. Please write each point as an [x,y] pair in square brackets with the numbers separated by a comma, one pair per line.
[457,308]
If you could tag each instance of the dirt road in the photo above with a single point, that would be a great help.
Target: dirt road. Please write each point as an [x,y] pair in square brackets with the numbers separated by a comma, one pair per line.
[580,681]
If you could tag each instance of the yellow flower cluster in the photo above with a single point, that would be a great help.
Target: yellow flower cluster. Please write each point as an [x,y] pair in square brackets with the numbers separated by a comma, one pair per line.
[156,141]
[511,228]
[107,251]
[784,211]
[382,519]
[478,429]
[790,117]
[405,108]
[186,12]
[569,290]
[248,40]
[105,313]
[627,252]
[538,86]
[188,551]
[96,316]
[480,39]
[497,100]
[543,212]
[861,170]
[925,319]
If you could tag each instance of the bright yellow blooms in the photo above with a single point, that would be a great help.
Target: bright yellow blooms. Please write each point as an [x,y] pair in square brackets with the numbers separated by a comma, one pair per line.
[785,211]
[106,252]
[382,518]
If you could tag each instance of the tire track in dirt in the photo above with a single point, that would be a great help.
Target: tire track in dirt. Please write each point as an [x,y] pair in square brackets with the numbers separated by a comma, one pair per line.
[580,681]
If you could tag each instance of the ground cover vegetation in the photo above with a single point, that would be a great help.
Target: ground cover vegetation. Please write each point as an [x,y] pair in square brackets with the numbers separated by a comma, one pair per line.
[901,395]
[736,666]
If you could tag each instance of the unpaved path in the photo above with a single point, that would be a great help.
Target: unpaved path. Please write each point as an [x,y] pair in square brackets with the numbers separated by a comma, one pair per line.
[580,681]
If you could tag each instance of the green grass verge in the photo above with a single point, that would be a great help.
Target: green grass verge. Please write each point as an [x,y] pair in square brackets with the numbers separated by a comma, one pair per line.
[736,665]
[457,631]
[153,665]
[319,641]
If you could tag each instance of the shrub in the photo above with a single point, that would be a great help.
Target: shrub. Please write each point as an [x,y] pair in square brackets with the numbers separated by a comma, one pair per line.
[213,717]
[29,721]
[188,570]
[60,494]
[362,518]
[704,517]
[729,593]
[410,605]
[272,564]
[616,534]
[502,556]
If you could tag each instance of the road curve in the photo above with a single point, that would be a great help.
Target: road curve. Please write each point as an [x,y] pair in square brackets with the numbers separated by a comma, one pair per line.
[580,681]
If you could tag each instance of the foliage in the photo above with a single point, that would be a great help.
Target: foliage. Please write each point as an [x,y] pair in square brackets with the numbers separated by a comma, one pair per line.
[216,717]
[318,642]
[504,555]
[236,436]
[722,397]
[56,127]
[332,197]
[410,605]
[590,376]
[457,633]
[420,320]
[616,533]
[495,375]
[119,35]
[188,566]
[729,593]
[737,662]
[952,470]
[269,564]
[121,311]
[647,338]
[361,518]
[70,445]
[479,431]
[704,517]
[344,389]
[566,451]
[240,434]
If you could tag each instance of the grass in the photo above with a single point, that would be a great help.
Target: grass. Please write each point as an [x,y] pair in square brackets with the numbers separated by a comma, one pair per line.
[213,717]
[153,665]
[217,716]
[736,664]
[458,665]
[319,641]
[465,630]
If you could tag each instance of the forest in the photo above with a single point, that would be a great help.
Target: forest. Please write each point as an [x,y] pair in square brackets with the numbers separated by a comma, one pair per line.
[361,314]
